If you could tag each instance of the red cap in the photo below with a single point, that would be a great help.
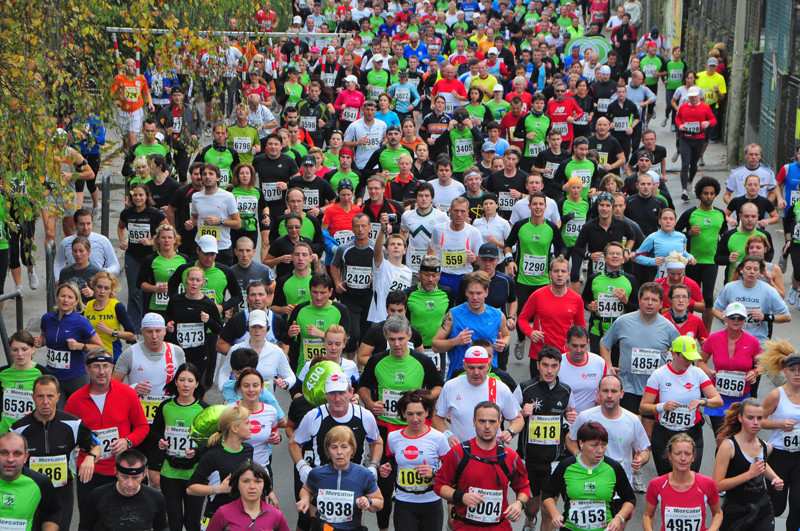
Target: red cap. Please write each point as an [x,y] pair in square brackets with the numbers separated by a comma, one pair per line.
[346,151]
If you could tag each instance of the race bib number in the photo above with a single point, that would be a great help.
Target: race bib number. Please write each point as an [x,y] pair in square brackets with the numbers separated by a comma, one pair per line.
[560,127]
[390,398]
[150,404]
[534,266]
[730,383]
[794,196]
[138,231]
[402,95]
[679,420]
[178,440]
[335,506]
[270,192]
[311,199]
[106,437]
[683,518]
[349,114]
[247,204]
[691,128]
[602,104]
[583,120]
[709,97]
[791,440]
[415,257]
[454,258]
[505,201]
[17,403]
[544,429]
[449,106]
[489,510]
[621,123]
[309,123]
[328,79]
[550,169]
[54,467]
[796,232]
[463,147]
[191,335]
[410,480]
[573,227]
[214,231]
[599,266]
[584,175]
[374,229]
[358,277]
[435,357]
[242,144]
[649,70]
[535,149]
[131,94]
[645,360]
[588,514]
[58,359]
[210,293]
[676,74]
[400,282]
[313,347]
[609,306]
[375,93]
[373,141]
[224,178]
[750,307]
[162,299]
[344,236]
[177,124]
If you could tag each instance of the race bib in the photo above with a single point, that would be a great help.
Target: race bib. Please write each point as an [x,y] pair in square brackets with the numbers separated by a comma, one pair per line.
[602,104]
[390,398]
[313,347]
[311,199]
[58,359]
[349,114]
[583,120]
[246,204]
[454,258]
[106,438]
[796,232]
[505,201]
[214,231]
[584,175]
[609,306]
[534,266]
[344,236]
[730,383]
[224,178]
[621,123]
[794,195]
[375,93]
[791,439]
[535,149]
[329,79]
[645,360]
[309,123]
[449,106]
[560,127]
[374,229]
[162,299]
[676,74]
[573,227]
[649,70]
[550,169]
[178,440]
[131,94]
[138,231]
[177,124]
[683,518]
[415,257]
[335,506]
[679,420]
[402,95]
[17,403]
[270,192]
[358,277]
[750,307]
[242,144]
[588,514]
[463,147]
[149,404]
[709,97]
[435,357]
[191,335]
[544,429]
[489,510]
[54,467]
[599,266]
[373,141]
[210,293]
[691,128]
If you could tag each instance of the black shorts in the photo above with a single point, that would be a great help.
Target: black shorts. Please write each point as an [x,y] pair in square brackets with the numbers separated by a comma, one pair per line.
[209,89]
[538,475]
[706,277]
[631,402]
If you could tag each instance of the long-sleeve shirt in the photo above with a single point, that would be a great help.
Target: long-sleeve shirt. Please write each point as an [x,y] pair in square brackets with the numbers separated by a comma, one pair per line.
[691,116]
[660,243]
[102,254]
[537,314]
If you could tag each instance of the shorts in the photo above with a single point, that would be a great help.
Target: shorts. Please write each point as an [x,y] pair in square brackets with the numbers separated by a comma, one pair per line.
[62,206]
[631,402]
[538,475]
[130,122]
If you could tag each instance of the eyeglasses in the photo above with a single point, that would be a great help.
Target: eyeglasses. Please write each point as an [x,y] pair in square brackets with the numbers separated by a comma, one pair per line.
[258,61]
[680,297]
[560,90]
[736,318]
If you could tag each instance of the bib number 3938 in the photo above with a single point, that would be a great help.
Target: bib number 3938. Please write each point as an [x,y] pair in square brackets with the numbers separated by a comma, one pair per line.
[335,506]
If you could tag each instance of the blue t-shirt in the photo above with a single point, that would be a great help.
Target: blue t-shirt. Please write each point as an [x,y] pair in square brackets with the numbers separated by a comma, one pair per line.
[56,333]
[335,506]
[390,118]
[762,297]
[483,326]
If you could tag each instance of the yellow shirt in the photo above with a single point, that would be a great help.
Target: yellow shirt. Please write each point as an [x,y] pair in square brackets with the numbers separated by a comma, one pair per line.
[486,84]
[109,316]
[706,82]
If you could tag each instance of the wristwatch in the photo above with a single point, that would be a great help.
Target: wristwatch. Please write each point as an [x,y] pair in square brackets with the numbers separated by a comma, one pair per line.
[115,333]
[96,457]
[512,432]
[130,444]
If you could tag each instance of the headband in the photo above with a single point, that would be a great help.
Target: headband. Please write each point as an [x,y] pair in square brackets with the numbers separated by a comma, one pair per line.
[430,269]
[99,359]
[130,471]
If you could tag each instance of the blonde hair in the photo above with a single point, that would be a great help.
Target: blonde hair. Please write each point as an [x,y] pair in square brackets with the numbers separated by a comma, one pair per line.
[336,329]
[194,268]
[112,278]
[140,161]
[159,230]
[339,434]
[772,359]
[232,416]
[674,257]
[79,306]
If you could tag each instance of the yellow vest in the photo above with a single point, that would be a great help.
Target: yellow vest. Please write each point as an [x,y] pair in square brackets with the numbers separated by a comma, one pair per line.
[109,316]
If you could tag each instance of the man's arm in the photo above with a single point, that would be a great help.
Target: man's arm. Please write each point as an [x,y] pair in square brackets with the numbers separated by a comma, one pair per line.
[442,341]
[111,264]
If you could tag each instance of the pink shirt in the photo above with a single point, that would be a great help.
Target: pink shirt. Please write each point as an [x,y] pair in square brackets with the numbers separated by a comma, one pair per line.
[351,99]
[744,353]
[683,506]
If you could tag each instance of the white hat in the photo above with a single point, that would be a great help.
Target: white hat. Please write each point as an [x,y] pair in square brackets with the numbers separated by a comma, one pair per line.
[297,20]
[351,79]
[497,88]
[694,92]
[153,320]
[605,69]
[736,308]
[336,381]
[208,244]
[257,318]
[492,50]
[476,355]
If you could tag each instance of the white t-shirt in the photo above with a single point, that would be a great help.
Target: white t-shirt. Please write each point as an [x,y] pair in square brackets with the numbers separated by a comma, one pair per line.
[444,195]
[451,247]
[626,435]
[261,424]
[584,380]
[419,228]
[682,388]
[522,210]
[388,277]
[459,398]
[220,204]
[409,453]
[374,133]
[495,226]
[272,362]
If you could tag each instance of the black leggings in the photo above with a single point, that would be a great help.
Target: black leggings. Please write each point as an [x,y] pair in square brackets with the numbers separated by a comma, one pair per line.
[91,185]
[418,516]
[691,148]
[787,466]
[20,245]
[794,252]
[3,269]
[661,437]
[706,277]
[183,510]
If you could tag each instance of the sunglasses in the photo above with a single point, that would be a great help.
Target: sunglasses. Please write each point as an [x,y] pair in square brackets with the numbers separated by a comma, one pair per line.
[737,318]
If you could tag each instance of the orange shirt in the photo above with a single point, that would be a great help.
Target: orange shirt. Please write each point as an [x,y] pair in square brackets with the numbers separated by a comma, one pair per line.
[129,92]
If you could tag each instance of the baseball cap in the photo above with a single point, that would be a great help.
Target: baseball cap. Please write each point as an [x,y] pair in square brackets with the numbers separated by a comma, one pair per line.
[792,359]
[291,69]
[492,50]
[330,49]
[652,44]
[345,184]
[476,355]
[712,61]
[309,160]
[208,244]
[351,79]
[694,92]
[403,72]
[377,58]
[153,320]
[336,381]
[498,87]
[473,45]
[297,20]
[392,128]
[736,308]
[605,69]
[314,49]
[687,346]
[257,318]
[346,151]
[489,250]
[488,146]
[178,88]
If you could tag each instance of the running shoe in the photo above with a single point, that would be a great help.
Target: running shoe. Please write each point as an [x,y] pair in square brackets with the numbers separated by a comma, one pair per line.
[664,122]
[685,195]
[701,162]
[638,485]
[675,156]
[33,279]
[530,525]
[519,350]
[791,297]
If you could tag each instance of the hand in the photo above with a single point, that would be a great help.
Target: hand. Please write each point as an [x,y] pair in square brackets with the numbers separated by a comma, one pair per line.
[629,131]
[505,437]
[281,383]
[87,292]
[119,446]
[425,470]
[511,269]
[781,203]
[103,328]
[225,486]
[123,245]
[757,467]
[266,220]
[313,331]
[340,287]
[733,256]
[777,483]
[536,336]
[499,345]
[86,470]
[593,306]
[363,503]
[464,337]
[558,521]
[472,499]
[188,224]
[171,326]
[294,329]
[377,408]
[704,124]
[274,438]
[621,295]
[571,415]
[286,259]
[471,257]
[302,506]
[527,410]
[273,500]
[514,511]
[636,462]
[162,444]
[757,315]
[511,323]
[143,388]
[363,140]
[695,230]
[385,470]
[204,317]
[453,441]
[616,524]
[74,345]
[189,454]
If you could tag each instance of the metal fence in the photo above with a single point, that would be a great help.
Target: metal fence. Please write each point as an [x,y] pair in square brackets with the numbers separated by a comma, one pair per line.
[20,322]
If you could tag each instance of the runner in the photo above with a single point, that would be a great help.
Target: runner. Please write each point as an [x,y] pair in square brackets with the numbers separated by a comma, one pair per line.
[17,379]
[252,485]
[455,244]
[388,273]
[131,93]
[581,370]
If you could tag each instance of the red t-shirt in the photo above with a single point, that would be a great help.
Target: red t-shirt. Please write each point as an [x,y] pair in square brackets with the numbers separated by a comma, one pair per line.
[693,326]
[453,86]
[695,293]
[538,314]
[507,125]
[681,510]
[693,115]
[558,112]
[744,353]
[337,219]
[526,99]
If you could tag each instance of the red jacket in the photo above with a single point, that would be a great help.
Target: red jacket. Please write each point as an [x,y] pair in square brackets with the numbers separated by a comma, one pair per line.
[544,312]
[122,410]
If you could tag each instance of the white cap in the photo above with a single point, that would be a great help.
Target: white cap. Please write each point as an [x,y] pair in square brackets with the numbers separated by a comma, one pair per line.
[257,318]
[153,320]
[605,69]
[492,50]
[476,355]
[736,308]
[159,136]
[351,79]
[297,20]
[208,244]
[498,88]
[336,381]
[694,92]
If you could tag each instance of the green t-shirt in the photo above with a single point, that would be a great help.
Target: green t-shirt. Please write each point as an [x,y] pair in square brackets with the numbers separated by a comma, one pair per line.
[297,290]
[242,140]
[609,307]
[376,22]
[17,389]
[531,19]
[704,245]
[539,125]
[651,66]
[579,483]
[388,161]
[177,425]
[295,93]
[353,176]
[379,81]
[498,109]
[5,228]
[331,161]
[143,150]
[533,251]
[322,318]
[462,146]
[477,111]
[21,499]
[394,376]
[307,229]
[736,244]
[247,204]
[796,228]
[301,149]
[675,73]
[572,228]
[163,268]
[427,311]
[223,159]
[584,170]
[367,36]
[215,285]
[564,22]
